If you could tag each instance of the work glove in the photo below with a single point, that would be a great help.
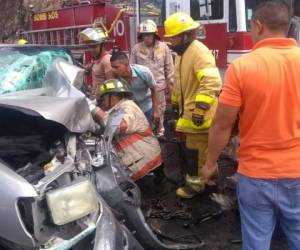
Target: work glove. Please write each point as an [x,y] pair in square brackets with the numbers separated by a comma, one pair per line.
[199,113]
[198,119]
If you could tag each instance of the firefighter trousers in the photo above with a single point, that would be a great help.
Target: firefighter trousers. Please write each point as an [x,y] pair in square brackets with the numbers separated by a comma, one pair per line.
[195,154]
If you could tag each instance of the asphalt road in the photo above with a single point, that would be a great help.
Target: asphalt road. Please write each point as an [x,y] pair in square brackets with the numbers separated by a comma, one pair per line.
[221,232]
[175,218]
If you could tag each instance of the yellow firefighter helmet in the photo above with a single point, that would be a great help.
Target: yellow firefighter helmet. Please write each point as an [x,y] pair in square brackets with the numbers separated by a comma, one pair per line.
[178,23]
[113,86]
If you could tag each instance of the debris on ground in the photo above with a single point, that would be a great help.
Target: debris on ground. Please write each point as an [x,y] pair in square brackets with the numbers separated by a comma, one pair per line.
[225,202]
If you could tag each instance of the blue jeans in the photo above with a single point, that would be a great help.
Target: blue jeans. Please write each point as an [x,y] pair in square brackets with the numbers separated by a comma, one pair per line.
[148,115]
[263,203]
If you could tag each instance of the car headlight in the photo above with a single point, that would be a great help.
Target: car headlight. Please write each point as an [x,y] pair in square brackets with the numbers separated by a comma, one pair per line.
[72,202]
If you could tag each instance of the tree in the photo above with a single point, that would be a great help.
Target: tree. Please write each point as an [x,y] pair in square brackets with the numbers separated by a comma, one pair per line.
[14,17]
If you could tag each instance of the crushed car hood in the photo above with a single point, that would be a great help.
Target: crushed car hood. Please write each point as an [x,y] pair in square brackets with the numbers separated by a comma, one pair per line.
[72,112]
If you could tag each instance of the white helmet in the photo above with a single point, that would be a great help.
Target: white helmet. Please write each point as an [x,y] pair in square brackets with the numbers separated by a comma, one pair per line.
[147,26]
[94,35]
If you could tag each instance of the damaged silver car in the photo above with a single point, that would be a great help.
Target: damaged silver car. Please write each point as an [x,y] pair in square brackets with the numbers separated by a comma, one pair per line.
[48,196]
[62,185]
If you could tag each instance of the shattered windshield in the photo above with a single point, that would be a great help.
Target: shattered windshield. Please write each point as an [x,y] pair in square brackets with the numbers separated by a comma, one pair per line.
[25,68]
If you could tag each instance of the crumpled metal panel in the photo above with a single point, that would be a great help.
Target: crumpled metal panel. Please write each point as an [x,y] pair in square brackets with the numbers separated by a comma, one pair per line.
[58,101]
[73,113]
[13,187]
[64,79]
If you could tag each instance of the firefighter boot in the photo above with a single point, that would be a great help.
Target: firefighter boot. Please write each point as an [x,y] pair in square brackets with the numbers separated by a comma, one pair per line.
[195,152]
[194,185]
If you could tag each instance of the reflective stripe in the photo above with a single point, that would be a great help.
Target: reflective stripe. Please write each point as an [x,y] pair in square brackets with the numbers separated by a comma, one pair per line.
[188,124]
[132,138]
[149,166]
[196,180]
[208,72]
[174,99]
[205,98]
[101,88]
[109,85]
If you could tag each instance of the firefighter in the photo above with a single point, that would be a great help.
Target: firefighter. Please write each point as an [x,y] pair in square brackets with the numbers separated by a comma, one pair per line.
[197,83]
[157,56]
[140,81]
[135,144]
[100,67]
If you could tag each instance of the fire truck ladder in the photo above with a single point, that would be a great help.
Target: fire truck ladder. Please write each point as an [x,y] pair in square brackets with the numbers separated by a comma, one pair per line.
[65,36]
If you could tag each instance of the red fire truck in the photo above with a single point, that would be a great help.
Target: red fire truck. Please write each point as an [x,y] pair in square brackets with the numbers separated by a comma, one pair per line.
[62,26]
[225,23]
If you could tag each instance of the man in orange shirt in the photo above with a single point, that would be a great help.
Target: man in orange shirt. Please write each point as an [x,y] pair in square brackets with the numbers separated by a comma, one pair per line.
[263,88]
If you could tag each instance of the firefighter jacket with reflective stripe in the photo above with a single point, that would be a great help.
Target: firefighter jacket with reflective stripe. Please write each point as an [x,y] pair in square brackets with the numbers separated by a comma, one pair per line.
[135,144]
[197,83]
